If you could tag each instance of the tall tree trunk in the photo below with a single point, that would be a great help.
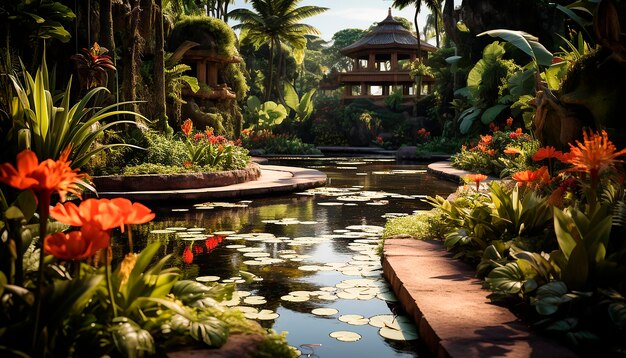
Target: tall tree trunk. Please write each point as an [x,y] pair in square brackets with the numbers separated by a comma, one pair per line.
[436,15]
[417,32]
[159,68]
[268,89]
[107,39]
[132,63]
[449,24]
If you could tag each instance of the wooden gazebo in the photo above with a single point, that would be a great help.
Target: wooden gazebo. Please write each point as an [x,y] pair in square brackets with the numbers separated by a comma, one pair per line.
[381,61]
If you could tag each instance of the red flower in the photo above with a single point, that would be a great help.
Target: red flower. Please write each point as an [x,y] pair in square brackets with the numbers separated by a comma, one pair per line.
[187,127]
[187,255]
[529,176]
[379,140]
[518,133]
[198,136]
[546,153]
[187,164]
[75,245]
[214,140]
[491,152]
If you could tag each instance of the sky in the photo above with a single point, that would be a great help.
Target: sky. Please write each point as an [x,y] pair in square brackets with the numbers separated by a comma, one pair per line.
[344,14]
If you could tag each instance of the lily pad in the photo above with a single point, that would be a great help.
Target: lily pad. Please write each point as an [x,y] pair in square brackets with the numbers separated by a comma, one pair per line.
[345,336]
[354,319]
[324,311]
[398,335]
[207,278]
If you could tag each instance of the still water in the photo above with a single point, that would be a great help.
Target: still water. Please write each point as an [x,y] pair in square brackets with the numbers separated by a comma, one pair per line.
[309,250]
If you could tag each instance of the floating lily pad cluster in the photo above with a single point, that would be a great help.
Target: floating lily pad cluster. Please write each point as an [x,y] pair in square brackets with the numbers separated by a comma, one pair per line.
[354,195]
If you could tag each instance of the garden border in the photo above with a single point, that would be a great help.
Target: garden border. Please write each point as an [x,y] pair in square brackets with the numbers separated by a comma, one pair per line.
[442,295]
[157,182]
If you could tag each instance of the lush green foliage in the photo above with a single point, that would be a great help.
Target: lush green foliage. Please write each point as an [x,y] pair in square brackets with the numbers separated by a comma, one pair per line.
[271,143]
[200,153]
[49,125]
[553,241]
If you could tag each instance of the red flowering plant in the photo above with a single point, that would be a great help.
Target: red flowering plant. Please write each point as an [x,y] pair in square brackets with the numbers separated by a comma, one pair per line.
[499,153]
[207,150]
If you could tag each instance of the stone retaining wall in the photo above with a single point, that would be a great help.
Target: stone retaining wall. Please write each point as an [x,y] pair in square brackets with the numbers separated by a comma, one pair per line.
[158,182]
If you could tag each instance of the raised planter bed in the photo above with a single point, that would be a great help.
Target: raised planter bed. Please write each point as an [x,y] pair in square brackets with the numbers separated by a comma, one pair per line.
[160,182]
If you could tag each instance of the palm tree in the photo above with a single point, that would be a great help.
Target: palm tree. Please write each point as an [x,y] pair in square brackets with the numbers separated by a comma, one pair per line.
[275,22]
[433,5]
[435,8]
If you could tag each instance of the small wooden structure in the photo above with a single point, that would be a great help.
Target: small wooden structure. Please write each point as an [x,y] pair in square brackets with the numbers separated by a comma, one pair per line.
[207,66]
[381,64]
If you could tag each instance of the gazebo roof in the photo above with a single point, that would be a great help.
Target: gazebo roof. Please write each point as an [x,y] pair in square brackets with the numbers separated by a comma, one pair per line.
[388,34]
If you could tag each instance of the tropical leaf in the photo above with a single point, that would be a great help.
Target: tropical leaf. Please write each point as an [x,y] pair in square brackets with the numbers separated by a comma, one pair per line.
[527,43]
[550,296]
[209,330]
[508,278]
[130,339]
[490,114]
[467,118]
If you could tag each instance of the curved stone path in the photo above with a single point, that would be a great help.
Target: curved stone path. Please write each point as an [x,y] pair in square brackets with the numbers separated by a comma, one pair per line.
[274,179]
[451,310]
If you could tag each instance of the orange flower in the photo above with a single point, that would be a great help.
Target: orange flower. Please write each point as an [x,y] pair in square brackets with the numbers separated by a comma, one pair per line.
[529,176]
[509,121]
[75,245]
[95,214]
[546,153]
[42,178]
[209,131]
[512,151]
[132,213]
[187,127]
[475,178]
[486,139]
[491,152]
[595,155]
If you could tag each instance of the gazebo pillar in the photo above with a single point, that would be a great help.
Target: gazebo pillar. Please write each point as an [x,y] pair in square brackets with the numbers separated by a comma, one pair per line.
[394,61]
[371,63]
[363,89]
[201,71]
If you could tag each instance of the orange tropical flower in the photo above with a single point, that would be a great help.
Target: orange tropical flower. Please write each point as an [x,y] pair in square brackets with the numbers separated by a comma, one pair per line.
[132,213]
[75,245]
[529,176]
[42,178]
[187,127]
[511,150]
[94,214]
[209,131]
[475,178]
[509,121]
[547,153]
[595,155]
[486,139]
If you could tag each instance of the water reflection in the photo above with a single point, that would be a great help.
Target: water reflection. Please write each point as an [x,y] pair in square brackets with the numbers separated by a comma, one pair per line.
[295,244]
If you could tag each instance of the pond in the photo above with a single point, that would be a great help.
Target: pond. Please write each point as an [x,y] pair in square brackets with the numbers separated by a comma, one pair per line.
[307,251]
